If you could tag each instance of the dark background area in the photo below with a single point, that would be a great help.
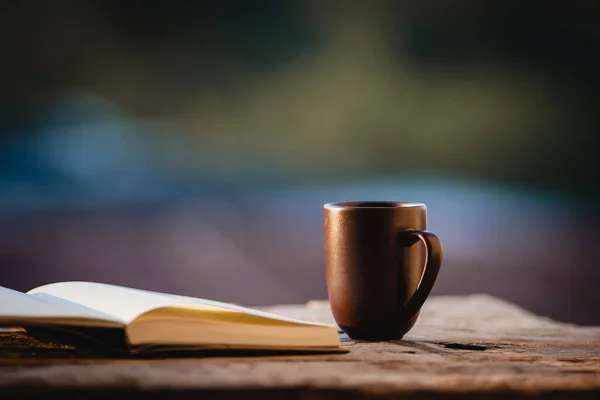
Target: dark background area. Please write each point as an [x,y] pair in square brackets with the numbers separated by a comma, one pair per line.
[189,146]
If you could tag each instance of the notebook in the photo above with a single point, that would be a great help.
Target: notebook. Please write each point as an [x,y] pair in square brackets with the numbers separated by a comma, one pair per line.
[140,321]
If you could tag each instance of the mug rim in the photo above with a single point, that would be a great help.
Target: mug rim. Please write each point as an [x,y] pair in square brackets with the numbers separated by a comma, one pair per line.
[370,204]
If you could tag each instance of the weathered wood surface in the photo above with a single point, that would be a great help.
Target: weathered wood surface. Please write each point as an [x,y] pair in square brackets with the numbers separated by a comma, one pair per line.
[462,347]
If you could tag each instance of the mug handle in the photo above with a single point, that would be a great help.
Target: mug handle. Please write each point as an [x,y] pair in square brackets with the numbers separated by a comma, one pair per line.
[433,263]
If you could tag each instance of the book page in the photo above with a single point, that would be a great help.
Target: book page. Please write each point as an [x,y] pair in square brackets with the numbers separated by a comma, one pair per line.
[127,304]
[19,309]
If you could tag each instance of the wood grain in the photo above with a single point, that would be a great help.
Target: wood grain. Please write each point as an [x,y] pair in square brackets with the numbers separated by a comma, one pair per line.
[462,347]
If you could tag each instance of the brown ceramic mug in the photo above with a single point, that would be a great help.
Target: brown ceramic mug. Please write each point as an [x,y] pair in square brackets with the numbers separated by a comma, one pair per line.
[381,265]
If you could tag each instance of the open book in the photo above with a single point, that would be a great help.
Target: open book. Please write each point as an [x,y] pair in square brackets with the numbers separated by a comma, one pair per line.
[139,321]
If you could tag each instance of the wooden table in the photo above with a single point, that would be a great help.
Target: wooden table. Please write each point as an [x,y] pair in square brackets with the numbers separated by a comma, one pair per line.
[462,347]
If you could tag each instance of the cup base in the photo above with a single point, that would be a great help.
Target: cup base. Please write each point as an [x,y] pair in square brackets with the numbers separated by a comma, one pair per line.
[379,335]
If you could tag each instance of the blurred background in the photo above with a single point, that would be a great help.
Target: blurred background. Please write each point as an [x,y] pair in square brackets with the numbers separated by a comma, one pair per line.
[189,146]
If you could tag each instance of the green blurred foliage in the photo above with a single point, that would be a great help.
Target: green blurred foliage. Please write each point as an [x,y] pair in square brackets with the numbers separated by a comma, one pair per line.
[330,90]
